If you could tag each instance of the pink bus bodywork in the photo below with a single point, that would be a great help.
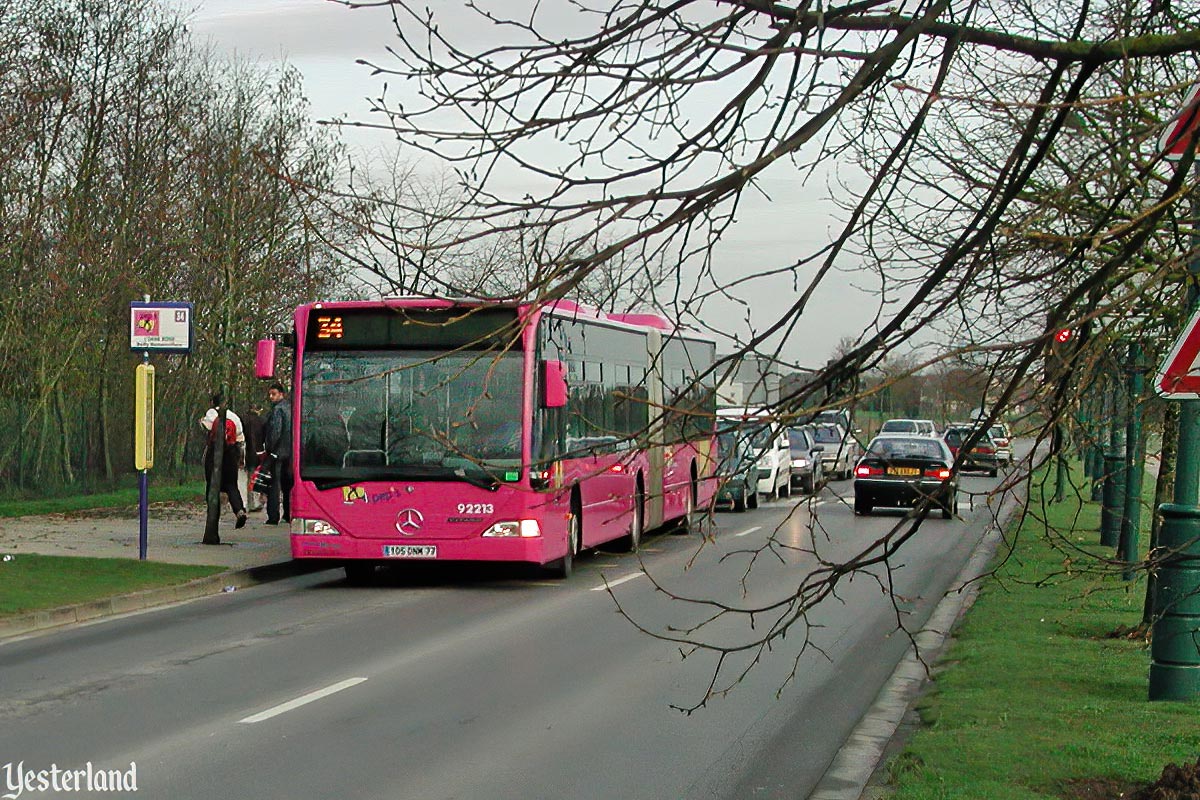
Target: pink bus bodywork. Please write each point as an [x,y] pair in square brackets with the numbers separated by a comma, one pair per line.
[521,520]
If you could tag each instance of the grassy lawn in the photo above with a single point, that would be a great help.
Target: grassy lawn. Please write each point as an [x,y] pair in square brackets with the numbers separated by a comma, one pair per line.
[1035,696]
[120,498]
[30,582]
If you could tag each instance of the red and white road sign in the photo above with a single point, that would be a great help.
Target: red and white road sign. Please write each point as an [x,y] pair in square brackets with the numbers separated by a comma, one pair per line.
[1181,130]
[1179,376]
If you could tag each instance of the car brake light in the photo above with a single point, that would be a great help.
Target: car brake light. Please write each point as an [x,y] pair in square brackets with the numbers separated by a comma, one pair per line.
[941,474]
[987,451]
[864,471]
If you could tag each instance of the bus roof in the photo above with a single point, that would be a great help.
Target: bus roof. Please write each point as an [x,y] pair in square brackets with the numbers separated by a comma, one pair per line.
[563,308]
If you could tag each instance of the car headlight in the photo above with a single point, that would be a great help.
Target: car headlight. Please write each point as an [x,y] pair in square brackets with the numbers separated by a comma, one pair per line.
[313,527]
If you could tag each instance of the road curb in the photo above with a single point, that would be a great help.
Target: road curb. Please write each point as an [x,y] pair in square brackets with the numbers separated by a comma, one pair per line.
[46,619]
[848,776]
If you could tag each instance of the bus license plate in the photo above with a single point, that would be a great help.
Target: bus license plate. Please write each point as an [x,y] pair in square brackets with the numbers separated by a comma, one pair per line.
[410,551]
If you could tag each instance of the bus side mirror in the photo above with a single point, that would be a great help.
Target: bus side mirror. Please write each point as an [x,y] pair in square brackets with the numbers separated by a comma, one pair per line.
[264,359]
[554,384]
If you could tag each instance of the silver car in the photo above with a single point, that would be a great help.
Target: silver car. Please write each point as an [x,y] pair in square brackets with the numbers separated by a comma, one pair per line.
[840,449]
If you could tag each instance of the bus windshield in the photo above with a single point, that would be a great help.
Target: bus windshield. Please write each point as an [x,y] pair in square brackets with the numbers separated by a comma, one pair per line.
[411,414]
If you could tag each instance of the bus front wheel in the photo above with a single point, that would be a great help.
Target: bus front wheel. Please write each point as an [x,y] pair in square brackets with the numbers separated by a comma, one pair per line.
[563,567]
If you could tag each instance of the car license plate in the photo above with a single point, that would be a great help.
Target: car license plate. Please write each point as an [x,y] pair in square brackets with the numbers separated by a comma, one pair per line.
[903,471]
[410,551]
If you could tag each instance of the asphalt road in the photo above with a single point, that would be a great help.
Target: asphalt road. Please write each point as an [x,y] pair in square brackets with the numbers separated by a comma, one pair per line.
[493,683]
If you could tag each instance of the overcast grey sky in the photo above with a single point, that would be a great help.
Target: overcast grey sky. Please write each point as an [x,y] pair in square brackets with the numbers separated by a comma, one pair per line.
[323,40]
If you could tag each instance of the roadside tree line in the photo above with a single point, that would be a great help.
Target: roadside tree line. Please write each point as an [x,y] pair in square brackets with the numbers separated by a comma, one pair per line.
[134,163]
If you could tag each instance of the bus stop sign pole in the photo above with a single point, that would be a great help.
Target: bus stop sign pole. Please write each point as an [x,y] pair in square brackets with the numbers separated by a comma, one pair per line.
[143,445]
[160,328]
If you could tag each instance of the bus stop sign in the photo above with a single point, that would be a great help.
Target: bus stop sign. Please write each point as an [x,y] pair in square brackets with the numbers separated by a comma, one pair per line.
[1181,130]
[160,327]
[1179,376]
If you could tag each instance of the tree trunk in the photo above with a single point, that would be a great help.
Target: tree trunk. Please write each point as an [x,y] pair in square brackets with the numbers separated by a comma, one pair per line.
[213,497]
[64,432]
[1164,488]
[103,431]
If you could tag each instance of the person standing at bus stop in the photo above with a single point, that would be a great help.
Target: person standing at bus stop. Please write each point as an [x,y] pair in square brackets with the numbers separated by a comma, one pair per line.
[232,458]
[279,450]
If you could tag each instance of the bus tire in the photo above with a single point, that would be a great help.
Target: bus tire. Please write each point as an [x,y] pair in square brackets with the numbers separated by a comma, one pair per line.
[688,523]
[634,539]
[563,567]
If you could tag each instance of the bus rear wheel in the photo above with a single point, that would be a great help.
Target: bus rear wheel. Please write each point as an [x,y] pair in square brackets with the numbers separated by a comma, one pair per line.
[633,540]
[688,523]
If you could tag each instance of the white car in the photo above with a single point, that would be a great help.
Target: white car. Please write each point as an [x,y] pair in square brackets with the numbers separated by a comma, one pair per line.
[770,442]
[921,427]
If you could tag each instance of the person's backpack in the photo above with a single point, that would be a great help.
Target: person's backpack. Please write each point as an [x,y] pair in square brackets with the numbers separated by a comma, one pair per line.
[230,432]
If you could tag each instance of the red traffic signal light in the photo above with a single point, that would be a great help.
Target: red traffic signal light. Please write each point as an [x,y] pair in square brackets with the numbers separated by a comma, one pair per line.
[1064,336]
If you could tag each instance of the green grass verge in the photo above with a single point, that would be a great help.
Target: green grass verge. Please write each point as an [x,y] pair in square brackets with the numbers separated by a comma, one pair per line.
[31,582]
[1035,695]
[118,498]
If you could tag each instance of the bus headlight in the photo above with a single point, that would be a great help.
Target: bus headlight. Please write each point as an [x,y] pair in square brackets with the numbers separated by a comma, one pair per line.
[313,527]
[526,529]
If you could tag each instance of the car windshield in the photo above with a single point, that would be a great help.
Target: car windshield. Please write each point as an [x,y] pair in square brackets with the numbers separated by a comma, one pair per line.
[757,433]
[899,426]
[827,434]
[729,445]
[798,440]
[997,431]
[957,436]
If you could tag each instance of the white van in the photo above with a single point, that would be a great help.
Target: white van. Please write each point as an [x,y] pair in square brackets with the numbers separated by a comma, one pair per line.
[770,441]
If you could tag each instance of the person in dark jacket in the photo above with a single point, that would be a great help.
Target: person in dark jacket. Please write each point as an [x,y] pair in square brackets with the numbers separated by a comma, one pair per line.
[278,443]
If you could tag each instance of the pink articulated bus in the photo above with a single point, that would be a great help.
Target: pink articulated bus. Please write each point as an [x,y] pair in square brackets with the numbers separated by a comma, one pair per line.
[467,431]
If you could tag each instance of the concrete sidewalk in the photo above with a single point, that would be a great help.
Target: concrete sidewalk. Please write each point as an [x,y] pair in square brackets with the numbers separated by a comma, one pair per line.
[175,532]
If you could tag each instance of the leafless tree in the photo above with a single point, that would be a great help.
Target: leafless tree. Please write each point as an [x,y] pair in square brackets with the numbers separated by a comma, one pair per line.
[132,163]
[995,164]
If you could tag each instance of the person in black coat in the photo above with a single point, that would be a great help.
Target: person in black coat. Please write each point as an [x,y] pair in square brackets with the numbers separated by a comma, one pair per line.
[279,449]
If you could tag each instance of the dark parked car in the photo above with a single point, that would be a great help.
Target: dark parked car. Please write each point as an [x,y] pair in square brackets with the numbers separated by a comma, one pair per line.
[737,471]
[901,470]
[982,456]
[807,467]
